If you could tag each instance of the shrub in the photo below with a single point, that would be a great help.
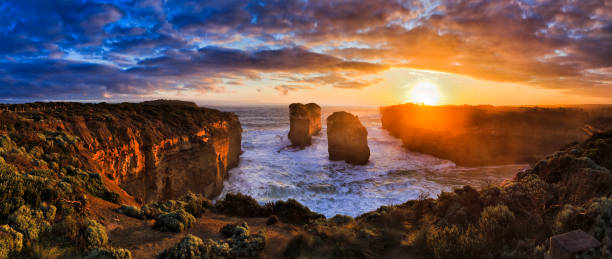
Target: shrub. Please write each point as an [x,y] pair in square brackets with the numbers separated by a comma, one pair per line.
[189,248]
[31,222]
[154,210]
[495,224]
[11,241]
[240,205]
[95,234]
[112,253]
[299,245]
[235,230]
[92,182]
[453,242]
[12,190]
[239,244]
[272,220]
[293,212]
[568,219]
[175,221]
[599,211]
[246,245]
[195,204]
[289,211]
[131,211]
[70,228]
[341,219]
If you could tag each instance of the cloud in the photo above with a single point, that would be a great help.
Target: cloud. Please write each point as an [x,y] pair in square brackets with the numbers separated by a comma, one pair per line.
[285,89]
[91,49]
[337,79]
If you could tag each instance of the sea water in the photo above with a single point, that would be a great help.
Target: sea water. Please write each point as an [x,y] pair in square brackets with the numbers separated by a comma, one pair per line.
[269,170]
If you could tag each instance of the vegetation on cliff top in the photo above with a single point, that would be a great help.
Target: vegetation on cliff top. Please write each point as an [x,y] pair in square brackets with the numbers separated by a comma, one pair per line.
[568,190]
[238,242]
[45,189]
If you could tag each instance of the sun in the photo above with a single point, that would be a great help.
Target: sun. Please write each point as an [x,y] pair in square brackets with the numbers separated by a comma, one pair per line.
[425,92]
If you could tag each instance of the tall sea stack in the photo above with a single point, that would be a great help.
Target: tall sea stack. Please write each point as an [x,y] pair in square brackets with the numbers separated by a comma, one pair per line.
[305,121]
[347,139]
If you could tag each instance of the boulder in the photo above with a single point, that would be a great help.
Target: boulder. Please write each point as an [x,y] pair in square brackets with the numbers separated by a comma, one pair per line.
[347,139]
[305,121]
[566,245]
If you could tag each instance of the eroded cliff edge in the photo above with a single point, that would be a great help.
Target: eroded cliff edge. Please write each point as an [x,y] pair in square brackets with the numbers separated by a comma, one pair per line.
[486,135]
[153,150]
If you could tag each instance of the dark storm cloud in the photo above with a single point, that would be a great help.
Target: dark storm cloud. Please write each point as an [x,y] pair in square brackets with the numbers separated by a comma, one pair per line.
[90,48]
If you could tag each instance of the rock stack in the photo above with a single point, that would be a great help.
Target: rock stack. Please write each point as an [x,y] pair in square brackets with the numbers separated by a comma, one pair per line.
[347,139]
[305,121]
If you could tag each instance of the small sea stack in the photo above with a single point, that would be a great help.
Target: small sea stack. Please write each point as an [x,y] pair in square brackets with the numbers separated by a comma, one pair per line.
[347,139]
[305,121]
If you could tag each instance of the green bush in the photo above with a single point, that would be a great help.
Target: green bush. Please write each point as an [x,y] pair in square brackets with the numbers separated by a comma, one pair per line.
[246,246]
[235,230]
[599,211]
[12,190]
[196,204]
[11,241]
[569,218]
[289,211]
[272,220]
[92,182]
[95,234]
[112,253]
[32,222]
[496,224]
[341,219]
[293,212]
[238,244]
[154,210]
[241,205]
[453,242]
[189,248]
[300,245]
[175,221]
[131,211]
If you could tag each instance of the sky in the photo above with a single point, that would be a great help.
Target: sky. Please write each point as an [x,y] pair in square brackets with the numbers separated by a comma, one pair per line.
[374,52]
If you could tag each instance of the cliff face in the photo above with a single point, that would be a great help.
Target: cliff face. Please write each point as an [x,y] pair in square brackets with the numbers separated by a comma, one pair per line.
[305,121]
[480,135]
[154,151]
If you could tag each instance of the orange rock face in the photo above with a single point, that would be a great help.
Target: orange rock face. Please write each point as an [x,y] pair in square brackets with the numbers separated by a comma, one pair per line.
[347,139]
[305,121]
[153,151]
[484,135]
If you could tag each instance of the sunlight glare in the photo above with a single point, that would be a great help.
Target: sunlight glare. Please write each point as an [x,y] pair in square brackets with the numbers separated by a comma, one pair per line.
[425,92]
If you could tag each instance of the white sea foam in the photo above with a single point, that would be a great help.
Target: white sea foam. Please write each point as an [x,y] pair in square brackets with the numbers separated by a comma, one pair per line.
[270,171]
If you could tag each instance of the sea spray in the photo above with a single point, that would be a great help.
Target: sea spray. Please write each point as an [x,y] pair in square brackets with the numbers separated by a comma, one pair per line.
[269,170]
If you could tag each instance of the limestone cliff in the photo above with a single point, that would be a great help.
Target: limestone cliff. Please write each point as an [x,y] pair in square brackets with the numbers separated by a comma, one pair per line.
[347,139]
[155,150]
[305,121]
[481,135]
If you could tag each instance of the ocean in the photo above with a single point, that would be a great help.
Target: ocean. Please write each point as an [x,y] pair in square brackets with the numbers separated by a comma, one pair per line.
[269,170]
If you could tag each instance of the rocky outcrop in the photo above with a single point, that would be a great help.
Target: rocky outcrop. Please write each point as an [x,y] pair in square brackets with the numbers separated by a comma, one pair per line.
[347,139]
[154,150]
[305,121]
[484,135]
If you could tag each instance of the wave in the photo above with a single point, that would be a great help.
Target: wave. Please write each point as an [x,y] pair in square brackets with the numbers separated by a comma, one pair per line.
[269,171]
